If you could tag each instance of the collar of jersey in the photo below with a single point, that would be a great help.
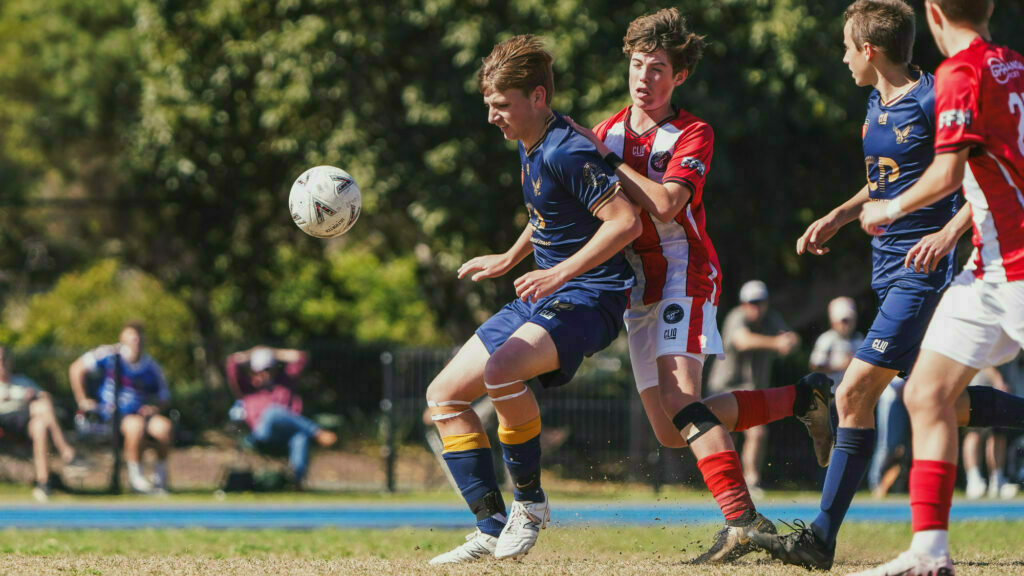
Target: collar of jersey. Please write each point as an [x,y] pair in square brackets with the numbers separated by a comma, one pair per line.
[920,76]
[547,128]
[629,114]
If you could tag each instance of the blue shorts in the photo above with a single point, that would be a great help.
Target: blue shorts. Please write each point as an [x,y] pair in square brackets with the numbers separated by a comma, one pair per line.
[904,311]
[581,321]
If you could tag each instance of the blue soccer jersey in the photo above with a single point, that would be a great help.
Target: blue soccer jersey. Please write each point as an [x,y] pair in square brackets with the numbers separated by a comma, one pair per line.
[141,383]
[565,183]
[899,144]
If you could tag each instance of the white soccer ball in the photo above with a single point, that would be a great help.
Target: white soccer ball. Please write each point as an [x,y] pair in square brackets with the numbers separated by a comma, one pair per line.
[325,202]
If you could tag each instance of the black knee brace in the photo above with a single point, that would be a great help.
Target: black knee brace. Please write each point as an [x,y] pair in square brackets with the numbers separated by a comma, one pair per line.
[694,420]
[488,505]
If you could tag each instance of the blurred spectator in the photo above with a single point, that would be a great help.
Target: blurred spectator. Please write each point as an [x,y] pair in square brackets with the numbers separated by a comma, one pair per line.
[995,449]
[273,409]
[753,335]
[27,412]
[834,349]
[893,424]
[141,396]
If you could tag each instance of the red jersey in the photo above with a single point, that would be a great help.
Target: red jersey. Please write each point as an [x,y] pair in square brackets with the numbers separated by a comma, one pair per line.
[673,259]
[979,103]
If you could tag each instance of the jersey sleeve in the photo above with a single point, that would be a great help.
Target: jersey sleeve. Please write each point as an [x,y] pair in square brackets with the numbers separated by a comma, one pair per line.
[583,173]
[98,357]
[163,393]
[691,159]
[956,107]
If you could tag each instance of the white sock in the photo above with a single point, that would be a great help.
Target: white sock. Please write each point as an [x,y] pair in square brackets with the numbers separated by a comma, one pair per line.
[932,543]
[997,478]
[134,470]
[974,476]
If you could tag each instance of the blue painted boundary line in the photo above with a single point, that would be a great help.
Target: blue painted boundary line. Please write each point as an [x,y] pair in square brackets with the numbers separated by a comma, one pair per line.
[395,516]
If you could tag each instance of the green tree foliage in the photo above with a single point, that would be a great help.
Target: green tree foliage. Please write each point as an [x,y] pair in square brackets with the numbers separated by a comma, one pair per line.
[84,310]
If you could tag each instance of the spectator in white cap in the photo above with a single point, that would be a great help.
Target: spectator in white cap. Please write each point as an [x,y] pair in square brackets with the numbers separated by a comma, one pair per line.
[834,349]
[272,407]
[753,335]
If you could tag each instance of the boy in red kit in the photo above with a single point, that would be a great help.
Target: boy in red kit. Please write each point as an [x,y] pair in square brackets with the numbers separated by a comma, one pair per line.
[979,110]
[662,155]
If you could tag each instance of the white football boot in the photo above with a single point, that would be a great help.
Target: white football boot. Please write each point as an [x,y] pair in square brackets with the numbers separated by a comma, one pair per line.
[478,545]
[911,563]
[525,521]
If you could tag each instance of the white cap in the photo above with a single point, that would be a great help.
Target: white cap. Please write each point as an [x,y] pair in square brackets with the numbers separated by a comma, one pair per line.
[842,308]
[753,291]
[261,359]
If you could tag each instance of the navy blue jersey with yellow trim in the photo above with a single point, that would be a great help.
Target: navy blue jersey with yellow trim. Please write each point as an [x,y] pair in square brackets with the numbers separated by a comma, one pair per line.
[899,144]
[565,182]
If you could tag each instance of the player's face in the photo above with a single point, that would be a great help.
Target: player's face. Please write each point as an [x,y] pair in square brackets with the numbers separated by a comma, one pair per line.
[131,345]
[856,59]
[651,80]
[512,111]
[844,326]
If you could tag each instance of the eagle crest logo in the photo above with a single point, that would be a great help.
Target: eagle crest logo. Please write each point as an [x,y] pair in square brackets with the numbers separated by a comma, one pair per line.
[902,135]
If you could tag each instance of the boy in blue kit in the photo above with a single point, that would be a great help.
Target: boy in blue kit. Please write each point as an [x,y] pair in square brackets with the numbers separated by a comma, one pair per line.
[912,261]
[570,307]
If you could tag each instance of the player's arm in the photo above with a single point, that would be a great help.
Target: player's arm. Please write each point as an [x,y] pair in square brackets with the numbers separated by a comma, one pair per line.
[745,340]
[940,179]
[76,375]
[823,229]
[930,250]
[494,265]
[620,225]
[662,201]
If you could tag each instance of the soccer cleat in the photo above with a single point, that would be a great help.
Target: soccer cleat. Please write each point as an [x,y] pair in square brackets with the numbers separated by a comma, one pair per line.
[478,545]
[912,564]
[802,547]
[811,407]
[42,491]
[732,542]
[525,521]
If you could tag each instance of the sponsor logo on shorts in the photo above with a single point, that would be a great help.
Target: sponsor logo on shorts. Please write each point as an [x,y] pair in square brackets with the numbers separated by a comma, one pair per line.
[880,345]
[673,314]
[670,334]
[554,308]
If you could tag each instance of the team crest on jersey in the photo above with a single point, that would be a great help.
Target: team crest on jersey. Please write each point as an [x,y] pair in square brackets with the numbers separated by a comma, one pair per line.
[594,176]
[659,160]
[883,118]
[673,314]
[1003,72]
[693,163]
[902,135]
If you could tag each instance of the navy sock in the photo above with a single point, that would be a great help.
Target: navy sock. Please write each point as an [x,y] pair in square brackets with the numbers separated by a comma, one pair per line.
[523,461]
[850,459]
[473,471]
[991,408]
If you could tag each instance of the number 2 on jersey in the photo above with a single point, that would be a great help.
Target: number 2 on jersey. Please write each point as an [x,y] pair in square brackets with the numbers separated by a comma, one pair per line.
[1017,106]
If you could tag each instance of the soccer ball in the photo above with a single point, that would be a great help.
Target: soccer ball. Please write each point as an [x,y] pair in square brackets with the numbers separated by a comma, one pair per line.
[324,202]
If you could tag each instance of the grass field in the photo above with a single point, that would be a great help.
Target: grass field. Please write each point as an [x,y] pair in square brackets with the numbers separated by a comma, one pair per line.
[980,548]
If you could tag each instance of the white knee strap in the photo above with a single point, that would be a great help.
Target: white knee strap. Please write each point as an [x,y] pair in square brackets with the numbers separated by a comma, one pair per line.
[496,386]
[511,396]
[450,415]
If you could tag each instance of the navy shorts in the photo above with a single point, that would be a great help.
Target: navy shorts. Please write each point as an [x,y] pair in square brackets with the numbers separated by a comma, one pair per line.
[904,311]
[581,321]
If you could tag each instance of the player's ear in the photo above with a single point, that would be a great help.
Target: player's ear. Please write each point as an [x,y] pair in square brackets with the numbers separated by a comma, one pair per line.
[538,96]
[935,14]
[681,77]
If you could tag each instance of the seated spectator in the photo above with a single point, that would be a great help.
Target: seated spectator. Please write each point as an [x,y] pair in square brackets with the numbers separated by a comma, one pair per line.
[27,412]
[143,395]
[273,409]
[834,349]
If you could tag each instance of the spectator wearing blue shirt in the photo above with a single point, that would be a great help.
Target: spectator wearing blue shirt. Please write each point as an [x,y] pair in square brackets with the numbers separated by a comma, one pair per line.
[143,394]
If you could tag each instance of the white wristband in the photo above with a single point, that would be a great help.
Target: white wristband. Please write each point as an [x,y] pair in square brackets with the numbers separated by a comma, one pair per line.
[893,210]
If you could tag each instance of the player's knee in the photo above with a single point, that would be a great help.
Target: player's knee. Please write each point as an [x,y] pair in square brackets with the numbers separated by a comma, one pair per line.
[37,427]
[670,438]
[673,399]
[695,420]
[499,370]
[160,428]
[132,425]
[921,400]
[852,399]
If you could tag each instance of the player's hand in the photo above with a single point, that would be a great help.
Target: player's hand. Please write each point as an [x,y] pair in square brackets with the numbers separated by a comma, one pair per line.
[87,405]
[786,342]
[819,232]
[538,284]
[929,251]
[489,266]
[589,135]
[873,219]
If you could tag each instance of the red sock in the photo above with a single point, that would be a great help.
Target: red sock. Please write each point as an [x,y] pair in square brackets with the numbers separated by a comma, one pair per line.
[757,407]
[931,494]
[724,477]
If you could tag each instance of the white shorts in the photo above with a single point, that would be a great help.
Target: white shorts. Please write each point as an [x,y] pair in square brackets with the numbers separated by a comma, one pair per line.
[978,324]
[670,327]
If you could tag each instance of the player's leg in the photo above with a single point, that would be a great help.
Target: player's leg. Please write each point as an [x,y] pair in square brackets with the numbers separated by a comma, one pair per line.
[755,443]
[38,432]
[161,430]
[467,450]
[42,407]
[298,457]
[976,485]
[133,429]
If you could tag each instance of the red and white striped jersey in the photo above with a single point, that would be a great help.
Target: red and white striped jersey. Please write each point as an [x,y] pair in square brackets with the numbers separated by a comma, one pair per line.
[674,259]
[979,103]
